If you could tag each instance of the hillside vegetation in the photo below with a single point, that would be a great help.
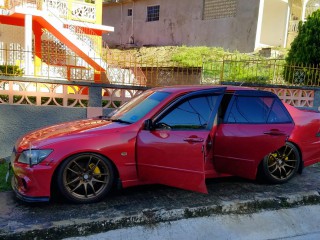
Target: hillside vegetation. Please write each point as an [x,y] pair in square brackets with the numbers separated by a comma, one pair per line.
[186,56]
[217,64]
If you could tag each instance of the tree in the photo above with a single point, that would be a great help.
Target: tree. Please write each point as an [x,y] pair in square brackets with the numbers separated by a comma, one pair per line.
[305,49]
[305,52]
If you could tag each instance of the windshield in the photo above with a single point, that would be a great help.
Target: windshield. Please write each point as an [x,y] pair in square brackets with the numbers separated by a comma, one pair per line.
[138,107]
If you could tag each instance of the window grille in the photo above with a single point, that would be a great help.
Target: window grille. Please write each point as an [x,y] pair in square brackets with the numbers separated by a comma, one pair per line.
[216,9]
[153,13]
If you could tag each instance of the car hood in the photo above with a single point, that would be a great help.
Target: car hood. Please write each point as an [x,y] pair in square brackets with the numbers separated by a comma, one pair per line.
[65,131]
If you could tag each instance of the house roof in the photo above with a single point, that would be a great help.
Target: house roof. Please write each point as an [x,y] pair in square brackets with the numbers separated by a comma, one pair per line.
[114,2]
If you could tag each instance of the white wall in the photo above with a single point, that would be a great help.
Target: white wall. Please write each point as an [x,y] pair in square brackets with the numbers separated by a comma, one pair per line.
[181,24]
[11,38]
[11,34]
[274,23]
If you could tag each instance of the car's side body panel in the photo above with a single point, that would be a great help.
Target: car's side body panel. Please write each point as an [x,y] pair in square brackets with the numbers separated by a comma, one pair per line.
[167,157]
[306,134]
[176,156]
[239,148]
[255,123]
[121,151]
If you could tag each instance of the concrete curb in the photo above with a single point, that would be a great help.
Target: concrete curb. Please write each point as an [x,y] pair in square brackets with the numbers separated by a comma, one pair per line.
[151,217]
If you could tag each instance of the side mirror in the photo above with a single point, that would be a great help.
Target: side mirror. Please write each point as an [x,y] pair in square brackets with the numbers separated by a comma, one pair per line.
[148,125]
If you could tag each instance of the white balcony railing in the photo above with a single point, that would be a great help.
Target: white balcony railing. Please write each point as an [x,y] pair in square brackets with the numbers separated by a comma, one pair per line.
[293,26]
[70,10]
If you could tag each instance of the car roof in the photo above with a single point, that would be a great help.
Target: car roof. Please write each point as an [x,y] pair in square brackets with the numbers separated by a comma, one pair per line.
[190,88]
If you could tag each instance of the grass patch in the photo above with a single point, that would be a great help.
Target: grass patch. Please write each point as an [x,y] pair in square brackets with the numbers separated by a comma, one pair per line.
[170,55]
[181,55]
[197,56]
[4,186]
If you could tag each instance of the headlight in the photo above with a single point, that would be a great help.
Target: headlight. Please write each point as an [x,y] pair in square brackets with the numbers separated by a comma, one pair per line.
[33,156]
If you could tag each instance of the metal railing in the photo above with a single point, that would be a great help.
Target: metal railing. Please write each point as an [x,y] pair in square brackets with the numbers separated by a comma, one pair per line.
[266,71]
[55,65]
[293,26]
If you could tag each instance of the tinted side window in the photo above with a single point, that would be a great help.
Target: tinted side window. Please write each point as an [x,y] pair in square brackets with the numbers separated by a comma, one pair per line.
[278,114]
[257,110]
[193,113]
[248,110]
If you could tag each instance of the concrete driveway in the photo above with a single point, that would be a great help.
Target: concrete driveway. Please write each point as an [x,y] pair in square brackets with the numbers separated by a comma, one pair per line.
[151,205]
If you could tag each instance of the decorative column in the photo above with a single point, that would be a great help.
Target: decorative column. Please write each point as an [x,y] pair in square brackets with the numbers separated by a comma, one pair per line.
[304,6]
[69,10]
[98,12]
[259,24]
[316,102]
[37,29]
[94,108]
[285,40]
[28,66]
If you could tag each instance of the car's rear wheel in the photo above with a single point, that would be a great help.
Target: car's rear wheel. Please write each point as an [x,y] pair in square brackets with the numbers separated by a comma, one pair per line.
[85,178]
[281,165]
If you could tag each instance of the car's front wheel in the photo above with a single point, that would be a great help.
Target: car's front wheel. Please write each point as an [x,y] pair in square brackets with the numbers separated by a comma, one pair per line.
[281,165]
[85,178]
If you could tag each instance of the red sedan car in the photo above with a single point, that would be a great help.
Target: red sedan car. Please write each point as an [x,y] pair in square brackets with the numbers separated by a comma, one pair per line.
[177,136]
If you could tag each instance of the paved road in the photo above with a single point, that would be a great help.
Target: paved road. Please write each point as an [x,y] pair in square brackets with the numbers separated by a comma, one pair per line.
[150,205]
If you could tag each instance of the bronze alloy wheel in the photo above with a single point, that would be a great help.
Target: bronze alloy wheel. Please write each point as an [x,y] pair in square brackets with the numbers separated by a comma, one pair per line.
[281,165]
[85,178]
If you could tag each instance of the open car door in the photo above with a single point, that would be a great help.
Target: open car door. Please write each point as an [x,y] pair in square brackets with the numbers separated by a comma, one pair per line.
[171,149]
[255,124]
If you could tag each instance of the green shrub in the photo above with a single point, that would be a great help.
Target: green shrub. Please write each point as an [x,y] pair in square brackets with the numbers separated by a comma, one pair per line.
[247,71]
[4,186]
[11,70]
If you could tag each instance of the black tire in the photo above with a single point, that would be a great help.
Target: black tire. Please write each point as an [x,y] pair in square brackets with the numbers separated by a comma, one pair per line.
[281,165]
[85,178]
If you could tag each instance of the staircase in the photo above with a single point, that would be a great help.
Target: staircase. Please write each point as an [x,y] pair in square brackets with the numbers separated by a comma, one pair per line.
[77,41]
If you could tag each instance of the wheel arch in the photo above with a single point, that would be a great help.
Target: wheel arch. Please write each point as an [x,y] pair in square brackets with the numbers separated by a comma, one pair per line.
[53,185]
[301,164]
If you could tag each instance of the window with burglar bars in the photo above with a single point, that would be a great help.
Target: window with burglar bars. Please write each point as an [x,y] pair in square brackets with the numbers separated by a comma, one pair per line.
[153,13]
[216,9]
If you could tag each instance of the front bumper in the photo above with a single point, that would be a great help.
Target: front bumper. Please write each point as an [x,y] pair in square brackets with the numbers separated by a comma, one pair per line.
[24,197]
[31,184]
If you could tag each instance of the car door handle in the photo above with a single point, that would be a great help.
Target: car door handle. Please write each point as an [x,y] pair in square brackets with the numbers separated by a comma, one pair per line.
[275,132]
[193,139]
